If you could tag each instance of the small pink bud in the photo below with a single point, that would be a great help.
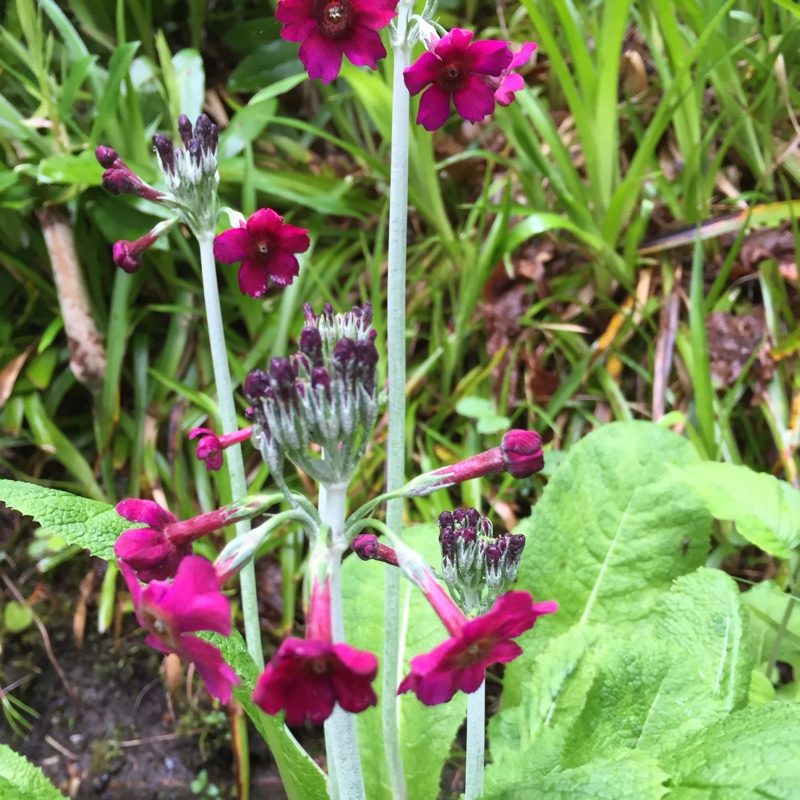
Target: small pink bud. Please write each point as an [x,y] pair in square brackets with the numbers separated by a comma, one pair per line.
[522,453]
[125,256]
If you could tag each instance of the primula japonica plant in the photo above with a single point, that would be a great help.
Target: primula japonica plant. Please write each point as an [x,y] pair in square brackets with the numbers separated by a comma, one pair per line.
[637,660]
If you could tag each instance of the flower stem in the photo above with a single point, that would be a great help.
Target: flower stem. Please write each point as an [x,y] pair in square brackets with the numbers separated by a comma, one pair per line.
[341,740]
[227,412]
[396,352]
[476,742]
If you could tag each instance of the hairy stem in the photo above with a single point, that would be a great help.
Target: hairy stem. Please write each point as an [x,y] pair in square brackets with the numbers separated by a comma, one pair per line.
[341,740]
[227,413]
[396,351]
[476,742]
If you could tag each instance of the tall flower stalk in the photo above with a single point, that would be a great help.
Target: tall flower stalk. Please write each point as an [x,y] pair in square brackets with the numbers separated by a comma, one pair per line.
[396,355]
[227,413]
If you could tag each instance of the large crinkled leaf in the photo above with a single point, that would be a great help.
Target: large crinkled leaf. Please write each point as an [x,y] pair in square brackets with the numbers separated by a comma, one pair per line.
[610,533]
[635,776]
[86,523]
[426,734]
[689,669]
[21,780]
[526,740]
[766,510]
[302,778]
[750,755]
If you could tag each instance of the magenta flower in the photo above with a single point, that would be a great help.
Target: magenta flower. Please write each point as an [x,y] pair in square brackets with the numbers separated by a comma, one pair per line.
[266,247]
[307,677]
[474,645]
[522,453]
[329,29]
[455,66]
[508,83]
[155,552]
[191,602]
[210,446]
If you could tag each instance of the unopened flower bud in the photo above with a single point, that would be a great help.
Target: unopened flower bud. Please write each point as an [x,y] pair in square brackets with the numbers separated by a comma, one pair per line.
[311,345]
[522,452]
[185,129]
[320,377]
[446,519]
[256,384]
[106,156]
[368,548]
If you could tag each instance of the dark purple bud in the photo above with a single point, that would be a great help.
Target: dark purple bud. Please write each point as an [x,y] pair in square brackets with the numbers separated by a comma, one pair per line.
[256,384]
[213,138]
[344,353]
[473,517]
[107,156]
[366,353]
[327,310]
[522,452]
[202,131]
[124,258]
[516,544]
[249,414]
[309,315]
[185,129]
[282,372]
[484,526]
[366,314]
[459,516]
[492,556]
[446,519]
[447,543]
[164,148]
[311,345]
[300,388]
[468,535]
[502,543]
[320,377]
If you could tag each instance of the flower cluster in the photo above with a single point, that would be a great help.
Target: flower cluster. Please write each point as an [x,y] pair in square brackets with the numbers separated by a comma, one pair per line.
[476,566]
[330,29]
[475,74]
[191,176]
[326,394]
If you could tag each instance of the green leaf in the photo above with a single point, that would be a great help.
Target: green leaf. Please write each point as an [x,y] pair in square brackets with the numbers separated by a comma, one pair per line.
[86,523]
[635,776]
[611,532]
[81,168]
[191,80]
[750,755]
[767,604]
[526,740]
[766,511]
[302,778]
[426,733]
[16,617]
[684,671]
[21,780]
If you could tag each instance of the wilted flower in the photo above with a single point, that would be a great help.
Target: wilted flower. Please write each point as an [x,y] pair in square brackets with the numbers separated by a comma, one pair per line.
[191,602]
[210,446]
[307,677]
[455,66]
[266,247]
[329,29]
[474,645]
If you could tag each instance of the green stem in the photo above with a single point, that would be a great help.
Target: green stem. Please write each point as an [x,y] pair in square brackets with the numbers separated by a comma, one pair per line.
[227,412]
[476,742]
[396,352]
[344,772]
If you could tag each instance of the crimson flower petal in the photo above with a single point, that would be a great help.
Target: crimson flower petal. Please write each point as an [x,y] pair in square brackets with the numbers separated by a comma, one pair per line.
[434,108]
[475,100]
[232,246]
